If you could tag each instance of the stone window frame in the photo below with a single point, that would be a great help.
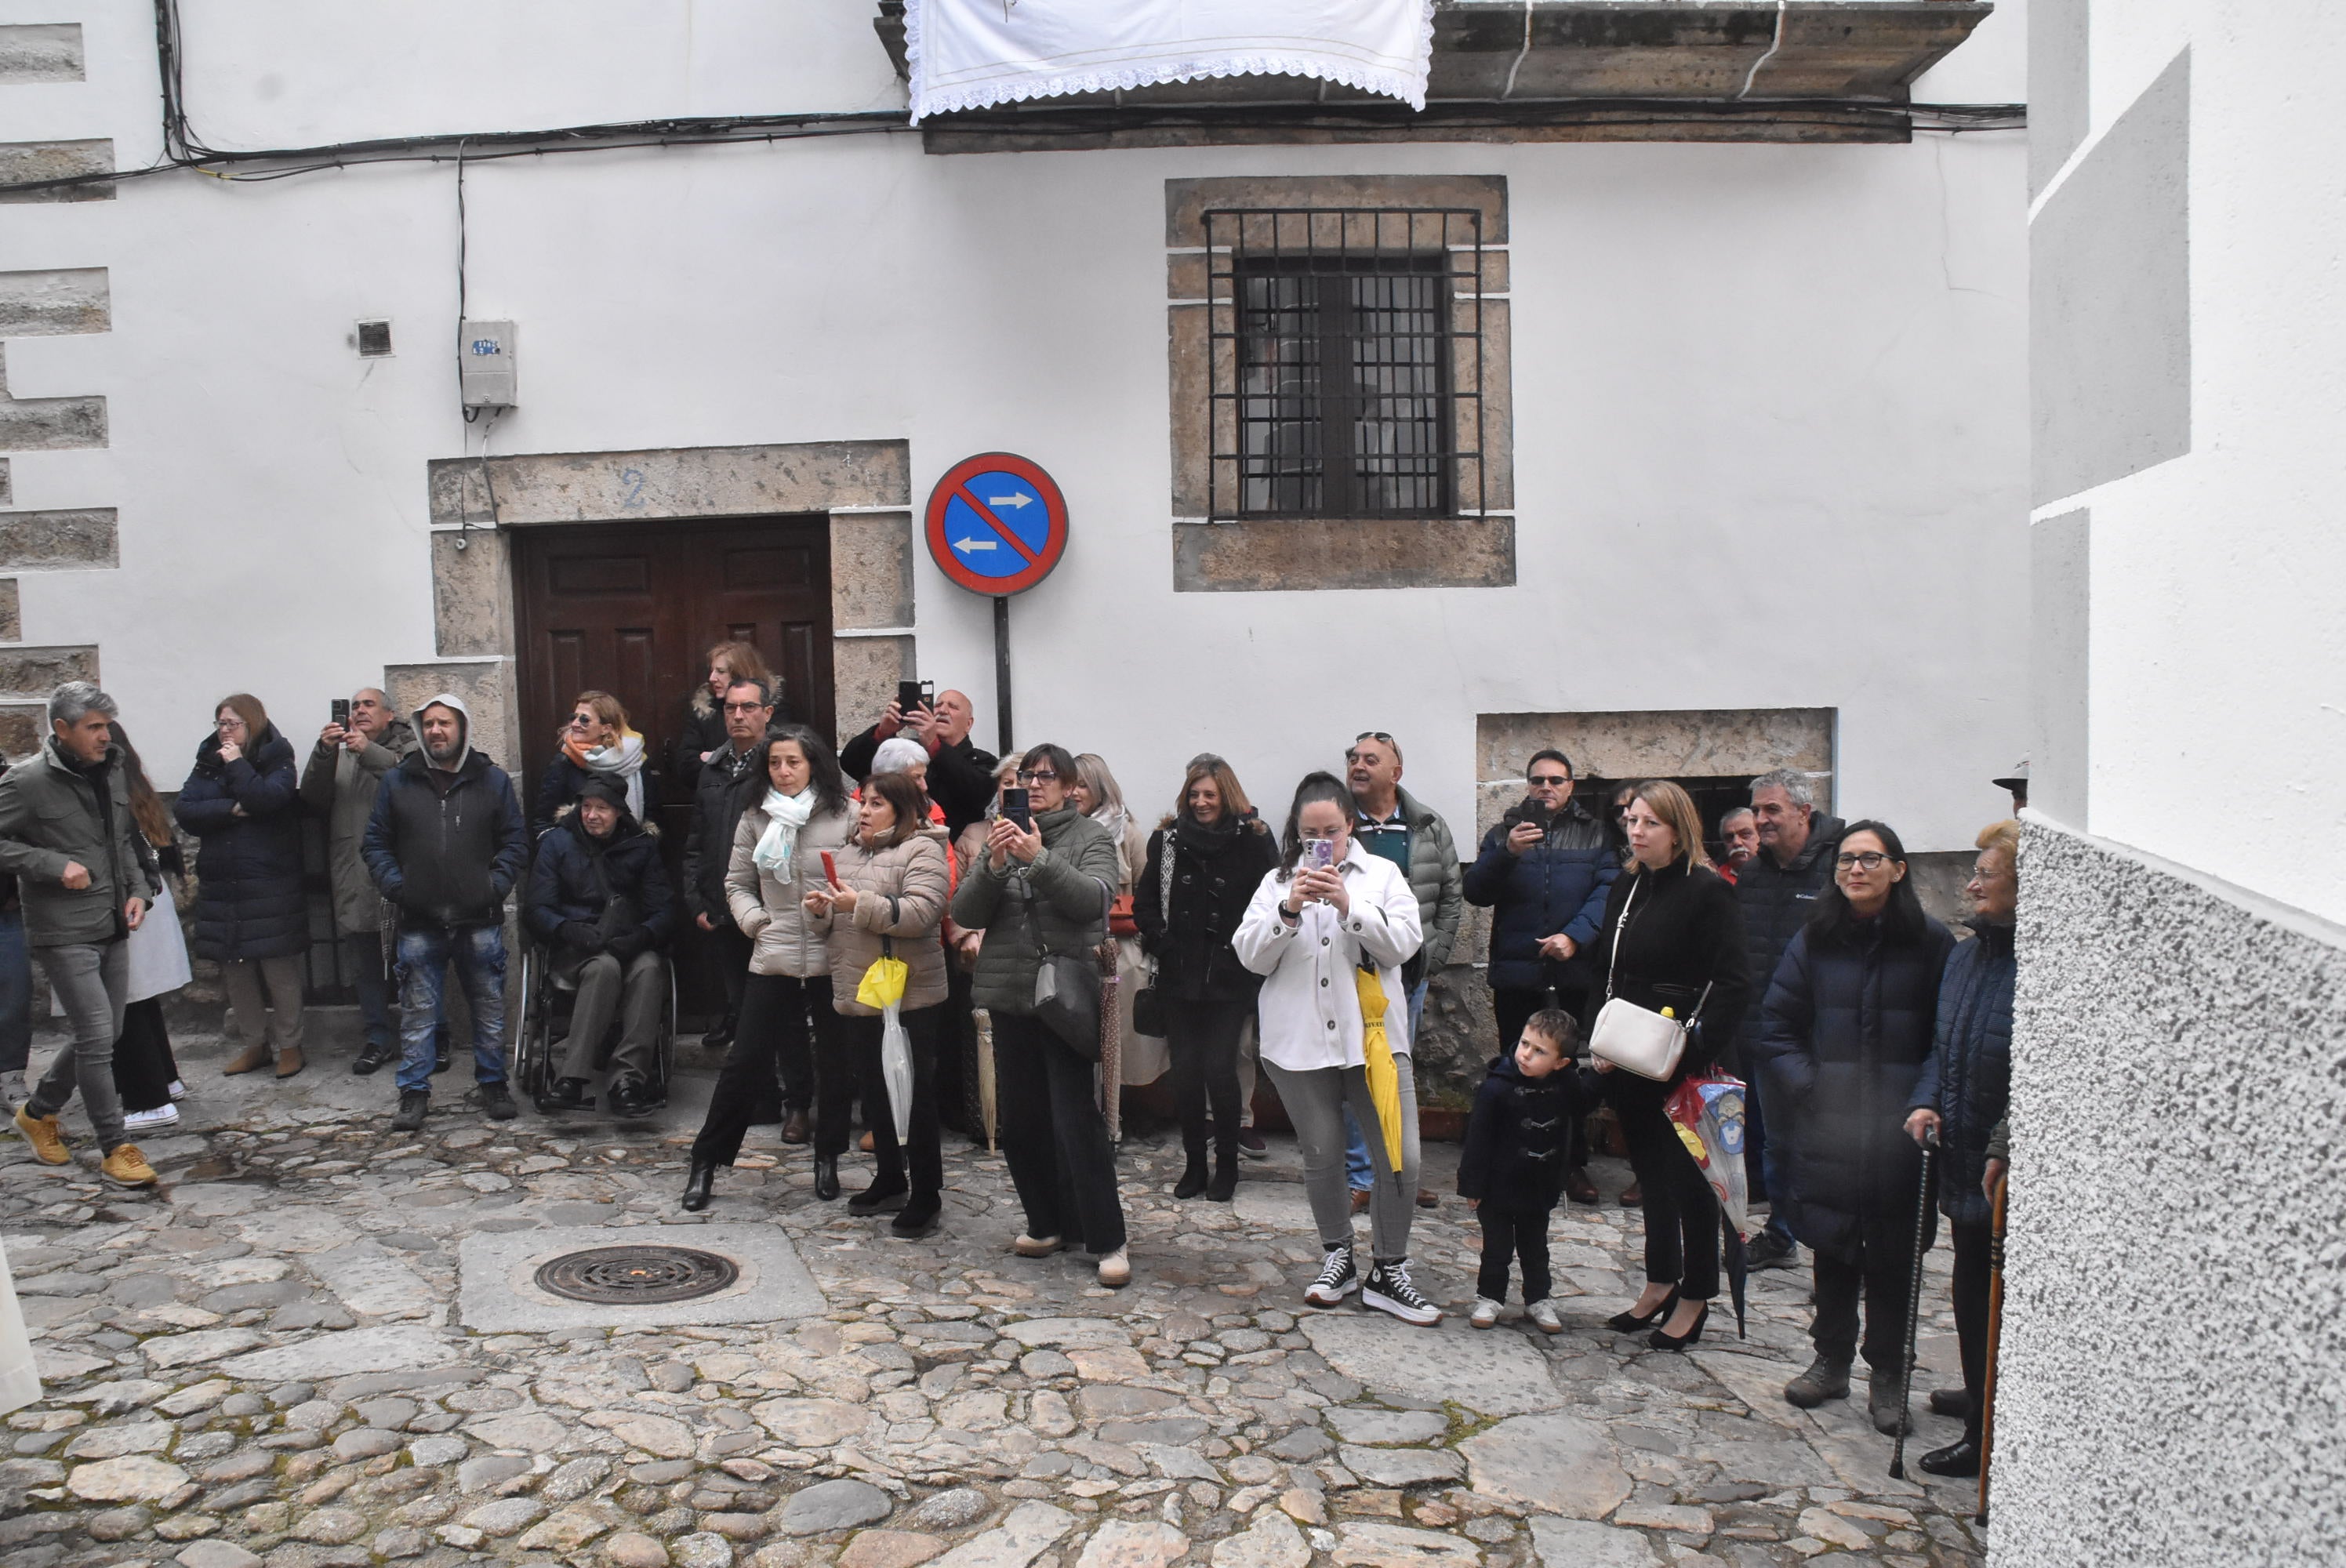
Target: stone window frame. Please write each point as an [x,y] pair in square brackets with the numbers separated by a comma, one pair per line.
[1471,549]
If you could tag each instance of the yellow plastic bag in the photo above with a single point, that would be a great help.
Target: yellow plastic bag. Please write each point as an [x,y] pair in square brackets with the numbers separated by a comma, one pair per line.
[1376,1057]
[883,983]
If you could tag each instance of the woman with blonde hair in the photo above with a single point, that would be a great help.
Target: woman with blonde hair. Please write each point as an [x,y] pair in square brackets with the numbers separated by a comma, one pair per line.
[1139,1059]
[1672,938]
[703,732]
[596,742]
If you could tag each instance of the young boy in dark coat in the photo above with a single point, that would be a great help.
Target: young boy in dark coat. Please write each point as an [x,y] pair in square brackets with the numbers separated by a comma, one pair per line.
[1518,1142]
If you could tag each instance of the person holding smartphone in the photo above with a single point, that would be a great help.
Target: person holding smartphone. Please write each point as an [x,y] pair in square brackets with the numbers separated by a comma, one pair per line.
[355,753]
[1327,912]
[961,776]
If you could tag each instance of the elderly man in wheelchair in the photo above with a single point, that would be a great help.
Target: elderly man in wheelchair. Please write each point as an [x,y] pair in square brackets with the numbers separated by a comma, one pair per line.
[600,899]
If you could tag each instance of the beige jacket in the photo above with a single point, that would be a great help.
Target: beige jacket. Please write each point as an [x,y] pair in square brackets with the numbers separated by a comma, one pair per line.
[773,914]
[899,896]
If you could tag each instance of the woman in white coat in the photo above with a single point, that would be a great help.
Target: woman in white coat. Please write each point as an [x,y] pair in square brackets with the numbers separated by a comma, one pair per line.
[1327,913]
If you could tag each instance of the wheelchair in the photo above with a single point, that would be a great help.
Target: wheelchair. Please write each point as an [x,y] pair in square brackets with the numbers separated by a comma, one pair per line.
[546,1000]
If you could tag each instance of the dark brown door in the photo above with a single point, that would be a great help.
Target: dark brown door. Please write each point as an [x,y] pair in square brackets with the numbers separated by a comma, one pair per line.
[632,610]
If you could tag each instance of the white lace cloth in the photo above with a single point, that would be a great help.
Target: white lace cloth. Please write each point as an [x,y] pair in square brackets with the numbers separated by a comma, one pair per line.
[974,53]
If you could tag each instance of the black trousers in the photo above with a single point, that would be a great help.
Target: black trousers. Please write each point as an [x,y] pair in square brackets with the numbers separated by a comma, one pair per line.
[1879,1276]
[782,1020]
[1681,1211]
[853,1069]
[143,1065]
[1971,1246]
[1511,1235]
[1054,1138]
[1203,1040]
[729,955]
[1515,1008]
[957,1055]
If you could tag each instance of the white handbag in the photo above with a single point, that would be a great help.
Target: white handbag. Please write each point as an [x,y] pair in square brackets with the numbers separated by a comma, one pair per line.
[1633,1038]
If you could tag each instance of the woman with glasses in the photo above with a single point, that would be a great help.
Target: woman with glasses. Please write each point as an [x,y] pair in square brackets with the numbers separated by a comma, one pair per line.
[242,804]
[595,741]
[1672,937]
[1842,1038]
[1329,921]
[1041,889]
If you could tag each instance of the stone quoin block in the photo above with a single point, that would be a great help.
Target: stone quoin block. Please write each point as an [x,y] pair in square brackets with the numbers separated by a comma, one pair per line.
[471,593]
[7,485]
[34,540]
[40,51]
[12,624]
[871,571]
[49,424]
[863,675]
[36,672]
[40,304]
[1289,553]
[28,162]
[23,725]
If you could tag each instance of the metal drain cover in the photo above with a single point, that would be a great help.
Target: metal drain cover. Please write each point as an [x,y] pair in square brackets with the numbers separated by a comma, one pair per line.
[636,1276]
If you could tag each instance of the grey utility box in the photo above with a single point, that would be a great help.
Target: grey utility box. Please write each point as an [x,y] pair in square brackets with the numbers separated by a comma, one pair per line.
[485,353]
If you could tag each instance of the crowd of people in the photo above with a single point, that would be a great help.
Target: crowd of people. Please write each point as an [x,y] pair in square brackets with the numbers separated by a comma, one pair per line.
[873,913]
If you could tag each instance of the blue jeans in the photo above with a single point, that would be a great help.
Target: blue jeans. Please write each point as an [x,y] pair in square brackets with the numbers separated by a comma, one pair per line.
[16,993]
[1359,1174]
[479,955]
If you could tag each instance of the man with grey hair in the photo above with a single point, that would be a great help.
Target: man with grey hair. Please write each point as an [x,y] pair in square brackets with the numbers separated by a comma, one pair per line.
[344,774]
[1778,890]
[86,875]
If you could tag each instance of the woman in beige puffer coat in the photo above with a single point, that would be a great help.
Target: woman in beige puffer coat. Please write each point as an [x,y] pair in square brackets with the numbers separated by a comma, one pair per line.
[889,901]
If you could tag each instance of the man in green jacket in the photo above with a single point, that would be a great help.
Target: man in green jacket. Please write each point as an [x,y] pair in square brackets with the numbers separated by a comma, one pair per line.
[345,774]
[86,877]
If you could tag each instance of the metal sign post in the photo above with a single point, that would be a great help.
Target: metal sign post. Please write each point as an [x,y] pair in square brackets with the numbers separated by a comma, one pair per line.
[998,525]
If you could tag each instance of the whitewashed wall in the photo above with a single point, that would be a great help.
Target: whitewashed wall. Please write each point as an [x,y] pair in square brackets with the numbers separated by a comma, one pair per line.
[1770,400]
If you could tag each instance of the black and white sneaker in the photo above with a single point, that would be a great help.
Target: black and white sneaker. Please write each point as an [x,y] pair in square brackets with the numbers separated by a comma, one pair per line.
[1389,1290]
[1338,1279]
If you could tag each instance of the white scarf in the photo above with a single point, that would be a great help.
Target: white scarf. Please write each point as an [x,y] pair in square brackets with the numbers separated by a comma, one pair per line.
[623,761]
[785,815]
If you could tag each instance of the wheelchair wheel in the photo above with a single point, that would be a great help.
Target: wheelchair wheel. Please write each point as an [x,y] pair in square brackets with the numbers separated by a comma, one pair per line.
[531,1052]
[664,1058]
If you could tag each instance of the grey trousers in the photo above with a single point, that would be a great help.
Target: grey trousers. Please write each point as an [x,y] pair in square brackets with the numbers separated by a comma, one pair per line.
[637,998]
[90,979]
[1315,1102]
[244,980]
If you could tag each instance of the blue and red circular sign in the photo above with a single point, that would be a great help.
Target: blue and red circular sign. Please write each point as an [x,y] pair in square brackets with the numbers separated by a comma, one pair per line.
[998,523]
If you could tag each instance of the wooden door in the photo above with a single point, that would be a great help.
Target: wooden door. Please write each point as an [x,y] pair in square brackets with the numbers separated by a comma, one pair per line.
[633,609]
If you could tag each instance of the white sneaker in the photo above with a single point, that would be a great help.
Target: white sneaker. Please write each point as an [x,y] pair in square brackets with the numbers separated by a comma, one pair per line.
[1116,1270]
[1544,1317]
[1486,1313]
[145,1121]
[178,1091]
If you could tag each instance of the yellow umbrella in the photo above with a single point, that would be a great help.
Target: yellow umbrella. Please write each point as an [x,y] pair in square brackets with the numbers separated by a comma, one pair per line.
[1376,1057]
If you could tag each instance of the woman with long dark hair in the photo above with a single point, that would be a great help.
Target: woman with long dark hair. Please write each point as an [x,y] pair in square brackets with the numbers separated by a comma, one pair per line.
[1202,865]
[1331,925]
[1672,938]
[1843,1037]
[146,1075]
[242,804]
[797,809]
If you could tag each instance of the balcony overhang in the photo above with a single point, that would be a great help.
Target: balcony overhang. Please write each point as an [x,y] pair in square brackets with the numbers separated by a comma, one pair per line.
[1546,70]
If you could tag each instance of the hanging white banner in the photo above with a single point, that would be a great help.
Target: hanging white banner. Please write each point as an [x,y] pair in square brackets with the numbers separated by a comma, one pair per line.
[974,53]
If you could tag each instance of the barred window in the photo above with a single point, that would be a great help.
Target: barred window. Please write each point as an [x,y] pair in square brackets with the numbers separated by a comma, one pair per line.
[1347,362]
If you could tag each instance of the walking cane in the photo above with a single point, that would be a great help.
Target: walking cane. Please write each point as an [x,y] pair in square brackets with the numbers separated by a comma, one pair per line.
[1914,1311]
[1994,1332]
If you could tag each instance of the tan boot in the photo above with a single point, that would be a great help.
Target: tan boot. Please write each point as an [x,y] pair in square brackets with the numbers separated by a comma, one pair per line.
[126,1166]
[251,1059]
[290,1061]
[41,1131]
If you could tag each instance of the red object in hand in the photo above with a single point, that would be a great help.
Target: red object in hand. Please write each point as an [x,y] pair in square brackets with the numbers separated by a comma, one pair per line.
[829,869]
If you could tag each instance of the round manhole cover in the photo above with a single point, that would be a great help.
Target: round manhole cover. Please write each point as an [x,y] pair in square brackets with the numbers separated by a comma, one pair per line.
[636,1276]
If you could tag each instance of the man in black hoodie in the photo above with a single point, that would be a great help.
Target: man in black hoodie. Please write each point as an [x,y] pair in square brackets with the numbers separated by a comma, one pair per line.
[1778,890]
[447,844]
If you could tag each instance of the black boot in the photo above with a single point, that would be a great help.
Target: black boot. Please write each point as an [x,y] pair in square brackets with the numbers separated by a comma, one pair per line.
[1193,1179]
[826,1177]
[884,1196]
[564,1094]
[696,1184]
[719,1034]
[1956,1459]
[1225,1185]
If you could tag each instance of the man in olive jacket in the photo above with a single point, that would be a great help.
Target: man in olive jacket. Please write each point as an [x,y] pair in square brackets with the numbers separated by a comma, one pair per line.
[345,774]
[86,875]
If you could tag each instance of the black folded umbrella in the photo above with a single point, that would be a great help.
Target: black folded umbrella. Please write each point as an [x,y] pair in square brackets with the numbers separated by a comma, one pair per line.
[1738,1273]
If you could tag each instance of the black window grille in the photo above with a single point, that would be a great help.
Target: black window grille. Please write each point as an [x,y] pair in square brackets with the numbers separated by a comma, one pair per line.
[1347,362]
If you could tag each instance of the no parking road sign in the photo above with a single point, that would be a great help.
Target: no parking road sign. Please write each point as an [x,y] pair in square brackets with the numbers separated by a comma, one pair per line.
[998,523]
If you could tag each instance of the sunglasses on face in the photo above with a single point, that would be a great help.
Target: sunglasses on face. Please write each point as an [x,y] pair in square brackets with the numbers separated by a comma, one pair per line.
[1555,780]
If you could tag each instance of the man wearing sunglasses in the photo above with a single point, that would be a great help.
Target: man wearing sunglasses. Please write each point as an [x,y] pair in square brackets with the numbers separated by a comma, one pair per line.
[1544,871]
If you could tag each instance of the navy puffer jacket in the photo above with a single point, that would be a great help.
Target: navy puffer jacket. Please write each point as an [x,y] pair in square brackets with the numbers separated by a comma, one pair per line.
[564,884]
[1557,886]
[248,900]
[1968,1079]
[1843,1037]
[1519,1136]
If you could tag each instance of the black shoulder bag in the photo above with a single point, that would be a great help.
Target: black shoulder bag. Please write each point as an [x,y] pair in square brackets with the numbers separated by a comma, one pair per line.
[1066,988]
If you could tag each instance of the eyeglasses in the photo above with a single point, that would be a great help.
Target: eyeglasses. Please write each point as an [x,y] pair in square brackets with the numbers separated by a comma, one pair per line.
[1558,779]
[1040,776]
[1869,861]
[1310,835]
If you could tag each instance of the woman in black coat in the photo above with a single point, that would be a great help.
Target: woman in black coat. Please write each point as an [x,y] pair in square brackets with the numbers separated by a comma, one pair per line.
[1673,937]
[1843,1037]
[242,805]
[1220,852]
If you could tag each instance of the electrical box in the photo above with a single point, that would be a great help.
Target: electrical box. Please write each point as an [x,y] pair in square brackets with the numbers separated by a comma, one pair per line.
[484,352]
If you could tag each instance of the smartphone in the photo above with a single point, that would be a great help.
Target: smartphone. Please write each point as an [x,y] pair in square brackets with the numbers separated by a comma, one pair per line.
[912,694]
[1014,809]
[1323,853]
[1535,811]
[342,711]
[829,869]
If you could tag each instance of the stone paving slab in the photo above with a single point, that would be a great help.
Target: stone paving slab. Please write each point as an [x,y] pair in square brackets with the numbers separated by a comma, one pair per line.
[278,1360]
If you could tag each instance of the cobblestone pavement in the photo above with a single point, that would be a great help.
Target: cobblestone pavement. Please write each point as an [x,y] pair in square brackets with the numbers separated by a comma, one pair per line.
[266,1361]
